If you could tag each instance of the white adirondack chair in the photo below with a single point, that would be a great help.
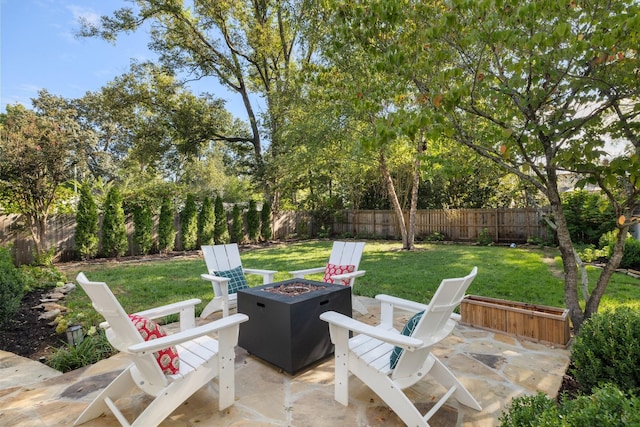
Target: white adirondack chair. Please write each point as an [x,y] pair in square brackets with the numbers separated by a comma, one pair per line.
[225,258]
[368,354]
[202,358]
[342,253]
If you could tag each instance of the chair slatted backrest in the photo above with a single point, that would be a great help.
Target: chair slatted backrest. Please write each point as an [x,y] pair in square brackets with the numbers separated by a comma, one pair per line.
[346,253]
[435,324]
[121,332]
[221,257]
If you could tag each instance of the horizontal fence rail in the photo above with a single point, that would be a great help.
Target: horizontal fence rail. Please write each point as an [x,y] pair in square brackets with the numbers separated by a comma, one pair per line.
[462,225]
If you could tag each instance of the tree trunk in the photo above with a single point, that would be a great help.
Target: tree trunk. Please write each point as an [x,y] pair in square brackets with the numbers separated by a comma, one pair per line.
[610,267]
[567,254]
[393,196]
[414,195]
[38,228]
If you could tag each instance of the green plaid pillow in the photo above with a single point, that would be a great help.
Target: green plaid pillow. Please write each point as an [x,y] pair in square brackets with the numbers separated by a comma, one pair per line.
[408,331]
[236,279]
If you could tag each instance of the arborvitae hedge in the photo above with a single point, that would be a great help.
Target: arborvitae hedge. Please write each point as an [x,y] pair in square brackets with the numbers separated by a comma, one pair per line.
[265,219]
[11,286]
[86,234]
[189,224]
[114,232]
[166,230]
[206,222]
[253,222]
[143,228]
[237,234]
[221,231]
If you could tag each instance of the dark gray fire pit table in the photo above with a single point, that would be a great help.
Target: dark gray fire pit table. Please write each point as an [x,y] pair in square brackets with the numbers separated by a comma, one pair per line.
[285,329]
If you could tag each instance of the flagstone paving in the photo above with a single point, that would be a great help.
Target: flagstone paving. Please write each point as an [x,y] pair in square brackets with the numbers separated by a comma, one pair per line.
[494,367]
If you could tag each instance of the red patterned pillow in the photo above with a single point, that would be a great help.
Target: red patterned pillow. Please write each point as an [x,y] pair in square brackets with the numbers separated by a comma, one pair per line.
[149,330]
[333,270]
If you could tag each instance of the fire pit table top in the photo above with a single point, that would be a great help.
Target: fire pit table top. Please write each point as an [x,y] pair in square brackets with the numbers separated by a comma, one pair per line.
[293,290]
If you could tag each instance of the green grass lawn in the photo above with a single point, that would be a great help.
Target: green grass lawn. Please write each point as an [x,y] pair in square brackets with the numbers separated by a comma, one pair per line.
[519,274]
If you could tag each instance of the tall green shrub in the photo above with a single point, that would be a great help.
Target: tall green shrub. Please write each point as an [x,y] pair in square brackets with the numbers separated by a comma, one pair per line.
[607,349]
[265,220]
[237,233]
[253,222]
[221,230]
[588,216]
[189,224]
[86,234]
[631,254]
[206,222]
[166,230]
[114,232]
[11,286]
[143,228]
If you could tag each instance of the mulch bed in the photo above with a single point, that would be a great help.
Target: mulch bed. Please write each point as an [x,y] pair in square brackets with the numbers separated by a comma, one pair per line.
[26,335]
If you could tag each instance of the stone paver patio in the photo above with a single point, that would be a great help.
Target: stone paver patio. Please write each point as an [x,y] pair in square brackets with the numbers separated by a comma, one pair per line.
[494,367]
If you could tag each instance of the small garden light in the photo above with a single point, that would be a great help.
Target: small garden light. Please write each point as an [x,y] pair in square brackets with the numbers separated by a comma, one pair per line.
[74,335]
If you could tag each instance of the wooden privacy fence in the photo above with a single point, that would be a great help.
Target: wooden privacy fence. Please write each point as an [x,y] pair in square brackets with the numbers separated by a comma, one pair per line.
[463,225]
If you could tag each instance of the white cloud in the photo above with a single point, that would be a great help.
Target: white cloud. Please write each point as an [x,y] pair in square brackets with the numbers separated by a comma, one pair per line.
[81,14]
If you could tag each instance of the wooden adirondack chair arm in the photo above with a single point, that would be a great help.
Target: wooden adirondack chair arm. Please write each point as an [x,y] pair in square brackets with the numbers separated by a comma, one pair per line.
[347,276]
[187,335]
[299,274]
[217,279]
[258,271]
[267,275]
[402,303]
[166,310]
[389,336]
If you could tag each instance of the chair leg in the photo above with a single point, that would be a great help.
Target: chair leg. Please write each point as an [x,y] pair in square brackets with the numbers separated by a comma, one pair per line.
[358,305]
[214,305]
[120,385]
[226,367]
[171,398]
[444,376]
[390,393]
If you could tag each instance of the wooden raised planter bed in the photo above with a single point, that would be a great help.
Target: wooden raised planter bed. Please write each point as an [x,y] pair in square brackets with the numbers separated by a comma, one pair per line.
[549,325]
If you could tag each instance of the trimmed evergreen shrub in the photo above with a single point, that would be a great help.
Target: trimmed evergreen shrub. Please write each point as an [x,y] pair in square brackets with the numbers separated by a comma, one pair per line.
[237,234]
[166,230]
[608,406]
[11,286]
[631,255]
[607,350]
[189,224]
[206,222]
[221,230]
[143,228]
[86,233]
[529,411]
[265,221]
[253,222]
[114,232]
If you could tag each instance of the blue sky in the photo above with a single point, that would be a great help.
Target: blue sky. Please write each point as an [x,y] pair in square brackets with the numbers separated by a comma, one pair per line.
[39,50]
